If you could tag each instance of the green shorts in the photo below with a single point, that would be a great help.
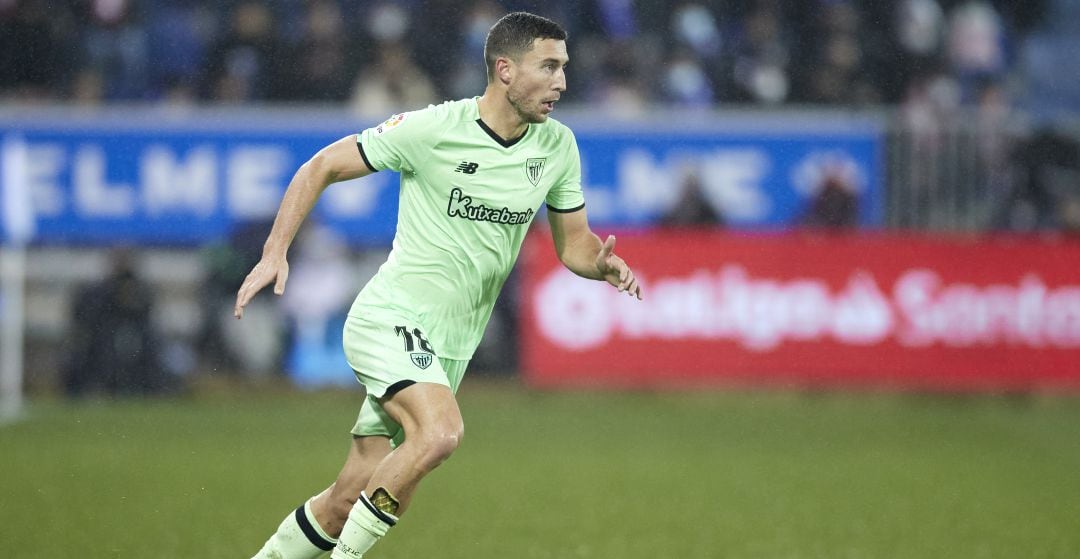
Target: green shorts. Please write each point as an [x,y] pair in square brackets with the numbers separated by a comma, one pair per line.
[389,352]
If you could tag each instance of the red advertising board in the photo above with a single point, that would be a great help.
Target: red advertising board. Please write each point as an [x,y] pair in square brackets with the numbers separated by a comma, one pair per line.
[889,311]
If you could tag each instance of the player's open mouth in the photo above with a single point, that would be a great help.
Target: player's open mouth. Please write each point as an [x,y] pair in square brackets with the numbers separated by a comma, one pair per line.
[549,105]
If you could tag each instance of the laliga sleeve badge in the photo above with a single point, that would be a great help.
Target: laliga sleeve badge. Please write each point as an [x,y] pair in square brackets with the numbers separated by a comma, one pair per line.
[390,123]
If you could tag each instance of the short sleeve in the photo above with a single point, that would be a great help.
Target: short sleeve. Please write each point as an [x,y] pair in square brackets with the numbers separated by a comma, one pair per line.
[566,195]
[398,141]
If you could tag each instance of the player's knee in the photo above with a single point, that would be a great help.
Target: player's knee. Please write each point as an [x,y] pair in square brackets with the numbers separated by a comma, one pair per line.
[439,441]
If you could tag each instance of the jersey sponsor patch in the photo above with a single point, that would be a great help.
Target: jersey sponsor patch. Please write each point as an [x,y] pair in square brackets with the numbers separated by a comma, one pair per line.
[461,205]
[534,169]
[390,123]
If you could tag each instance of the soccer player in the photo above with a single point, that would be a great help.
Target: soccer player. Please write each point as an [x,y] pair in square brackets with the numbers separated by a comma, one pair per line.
[473,174]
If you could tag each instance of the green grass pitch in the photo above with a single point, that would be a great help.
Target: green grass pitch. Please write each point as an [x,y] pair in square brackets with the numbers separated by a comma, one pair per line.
[564,475]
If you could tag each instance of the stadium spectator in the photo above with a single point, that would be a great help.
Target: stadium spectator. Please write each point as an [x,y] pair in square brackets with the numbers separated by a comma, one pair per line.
[393,81]
[35,44]
[760,59]
[1043,190]
[994,118]
[620,90]
[833,68]
[114,347]
[246,63]
[913,49]
[836,205]
[1069,215]
[446,59]
[178,37]
[685,82]
[692,209]
[115,46]
[320,65]
[976,46]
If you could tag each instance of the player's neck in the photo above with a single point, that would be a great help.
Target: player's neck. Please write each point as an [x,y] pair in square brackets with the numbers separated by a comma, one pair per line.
[499,116]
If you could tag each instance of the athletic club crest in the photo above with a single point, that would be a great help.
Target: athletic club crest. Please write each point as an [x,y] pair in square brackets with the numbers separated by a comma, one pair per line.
[422,360]
[534,169]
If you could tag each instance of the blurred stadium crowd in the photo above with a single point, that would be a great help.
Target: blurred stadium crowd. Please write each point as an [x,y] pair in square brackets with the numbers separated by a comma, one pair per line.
[626,55]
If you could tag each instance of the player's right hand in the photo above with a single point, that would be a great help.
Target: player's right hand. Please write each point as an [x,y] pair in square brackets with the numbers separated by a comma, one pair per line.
[267,271]
[615,270]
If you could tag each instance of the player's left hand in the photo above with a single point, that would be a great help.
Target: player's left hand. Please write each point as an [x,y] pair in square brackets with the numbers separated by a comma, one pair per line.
[615,270]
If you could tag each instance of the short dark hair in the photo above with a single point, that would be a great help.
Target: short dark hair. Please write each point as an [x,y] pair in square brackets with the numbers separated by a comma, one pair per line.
[513,35]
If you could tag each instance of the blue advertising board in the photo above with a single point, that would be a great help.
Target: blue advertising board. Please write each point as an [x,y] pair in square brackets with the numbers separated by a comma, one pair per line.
[113,179]
[753,179]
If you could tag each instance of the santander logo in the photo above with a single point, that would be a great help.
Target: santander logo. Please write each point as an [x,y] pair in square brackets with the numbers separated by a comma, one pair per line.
[918,310]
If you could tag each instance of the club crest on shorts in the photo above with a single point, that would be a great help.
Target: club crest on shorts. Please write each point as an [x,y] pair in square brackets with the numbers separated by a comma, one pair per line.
[534,169]
[422,360]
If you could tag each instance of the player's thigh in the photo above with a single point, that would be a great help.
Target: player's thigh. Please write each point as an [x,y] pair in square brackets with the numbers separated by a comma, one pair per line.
[389,351]
[373,420]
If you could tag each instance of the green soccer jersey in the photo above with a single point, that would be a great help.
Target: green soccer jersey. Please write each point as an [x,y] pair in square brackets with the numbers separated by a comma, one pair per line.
[467,199]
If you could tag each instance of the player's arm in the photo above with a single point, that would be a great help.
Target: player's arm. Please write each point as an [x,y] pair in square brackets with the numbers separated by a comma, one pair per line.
[581,251]
[336,162]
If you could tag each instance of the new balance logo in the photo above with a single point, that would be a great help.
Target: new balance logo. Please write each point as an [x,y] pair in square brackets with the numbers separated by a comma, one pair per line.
[467,168]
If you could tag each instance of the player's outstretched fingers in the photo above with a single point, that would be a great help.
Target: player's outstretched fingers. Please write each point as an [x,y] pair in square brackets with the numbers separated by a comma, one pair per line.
[609,245]
[282,277]
[238,307]
[626,275]
[248,289]
[242,299]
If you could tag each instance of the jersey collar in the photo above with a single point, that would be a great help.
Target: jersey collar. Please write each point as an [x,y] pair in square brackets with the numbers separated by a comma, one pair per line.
[499,139]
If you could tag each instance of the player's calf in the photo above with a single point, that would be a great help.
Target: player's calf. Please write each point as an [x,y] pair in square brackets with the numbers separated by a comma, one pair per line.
[332,509]
[332,506]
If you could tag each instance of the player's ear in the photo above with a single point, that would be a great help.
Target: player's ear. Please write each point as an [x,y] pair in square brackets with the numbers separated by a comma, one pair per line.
[504,69]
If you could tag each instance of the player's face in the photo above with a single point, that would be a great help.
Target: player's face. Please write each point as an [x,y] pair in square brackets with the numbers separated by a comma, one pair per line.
[539,80]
